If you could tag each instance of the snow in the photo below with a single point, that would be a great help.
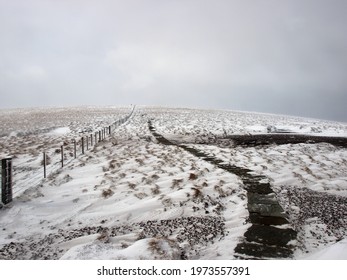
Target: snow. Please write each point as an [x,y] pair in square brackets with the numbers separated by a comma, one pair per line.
[99,250]
[60,131]
[106,203]
[337,251]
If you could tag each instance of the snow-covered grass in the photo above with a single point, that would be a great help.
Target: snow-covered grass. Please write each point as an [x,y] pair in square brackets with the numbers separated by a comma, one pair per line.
[190,124]
[130,197]
[27,133]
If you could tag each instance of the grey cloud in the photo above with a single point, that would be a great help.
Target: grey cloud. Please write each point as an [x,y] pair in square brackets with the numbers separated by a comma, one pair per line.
[275,56]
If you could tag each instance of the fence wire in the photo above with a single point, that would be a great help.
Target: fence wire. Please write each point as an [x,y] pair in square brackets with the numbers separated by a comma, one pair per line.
[31,173]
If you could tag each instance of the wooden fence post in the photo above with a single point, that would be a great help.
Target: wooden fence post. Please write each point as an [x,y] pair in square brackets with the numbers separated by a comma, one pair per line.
[87,141]
[6,180]
[99,135]
[82,145]
[91,139]
[44,165]
[62,156]
[74,142]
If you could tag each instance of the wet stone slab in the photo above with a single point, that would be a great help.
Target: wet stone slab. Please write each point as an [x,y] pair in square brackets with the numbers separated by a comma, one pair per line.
[257,218]
[270,235]
[283,139]
[264,205]
[261,251]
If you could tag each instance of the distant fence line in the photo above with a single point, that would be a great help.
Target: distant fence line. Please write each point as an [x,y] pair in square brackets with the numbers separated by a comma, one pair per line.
[65,152]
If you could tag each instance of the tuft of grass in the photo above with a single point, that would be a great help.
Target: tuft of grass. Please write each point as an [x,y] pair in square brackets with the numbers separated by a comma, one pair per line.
[67,178]
[105,169]
[176,182]
[48,160]
[158,246]
[220,190]
[140,161]
[155,246]
[193,176]
[132,185]
[155,190]
[113,164]
[140,195]
[106,193]
[197,194]
[309,171]
[104,236]
[166,202]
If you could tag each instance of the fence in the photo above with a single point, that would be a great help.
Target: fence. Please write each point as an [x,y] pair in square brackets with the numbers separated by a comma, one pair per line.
[50,162]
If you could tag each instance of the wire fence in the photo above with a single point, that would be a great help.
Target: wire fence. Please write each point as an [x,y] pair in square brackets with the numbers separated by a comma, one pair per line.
[33,171]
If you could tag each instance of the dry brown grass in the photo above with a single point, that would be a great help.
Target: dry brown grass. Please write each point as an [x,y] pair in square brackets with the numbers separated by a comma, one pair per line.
[48,160]
[106,193]
[197,194]
[141,195]
[156,245]
[104,236]
[132,185]
[155,190]
[176,182]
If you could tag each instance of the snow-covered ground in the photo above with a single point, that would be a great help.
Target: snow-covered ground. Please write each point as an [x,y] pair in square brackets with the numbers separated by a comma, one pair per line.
[129,197]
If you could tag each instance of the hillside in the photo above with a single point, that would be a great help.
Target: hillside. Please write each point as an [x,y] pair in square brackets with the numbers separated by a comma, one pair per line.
[173,183]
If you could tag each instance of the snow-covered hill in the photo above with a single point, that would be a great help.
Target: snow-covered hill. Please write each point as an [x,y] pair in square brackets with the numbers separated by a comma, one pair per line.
[131,197]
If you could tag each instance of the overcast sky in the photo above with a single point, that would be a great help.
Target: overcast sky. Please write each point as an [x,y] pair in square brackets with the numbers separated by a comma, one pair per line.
[274,56]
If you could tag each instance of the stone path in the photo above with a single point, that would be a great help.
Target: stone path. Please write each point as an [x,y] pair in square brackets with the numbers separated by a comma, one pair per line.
[263,239]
